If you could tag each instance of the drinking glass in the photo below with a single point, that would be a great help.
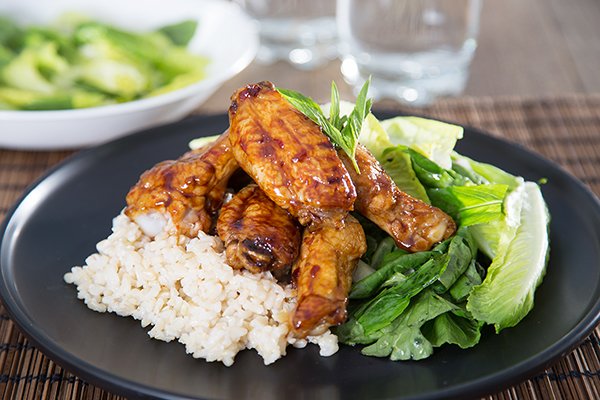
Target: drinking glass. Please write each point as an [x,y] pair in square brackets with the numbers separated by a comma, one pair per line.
[302,32]
[414,50]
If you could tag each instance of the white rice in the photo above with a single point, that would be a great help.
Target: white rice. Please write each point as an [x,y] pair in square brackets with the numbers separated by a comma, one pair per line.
[183,288]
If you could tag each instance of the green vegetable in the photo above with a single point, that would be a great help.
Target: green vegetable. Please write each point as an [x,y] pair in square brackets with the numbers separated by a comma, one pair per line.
[375,237]
[384,247]
[373,136]
[397,162]
[353,125]
[487,172]
[391,302]
[180,33]
[362,270]
[312,110]
[412,303]
[488,235]
[17,98]
[461,253]
[30,100]
[5,55]
[507,293]
[394,159]
[342,131]
[470,205]
[400,262]
[403,340]
[180,81]
[5,106]
[434,139]
[22,73]
[10,33]
[466,282]
[334,110]
[431,175]
[56,102]
[84,63]
[49,62]
[121,80]
[454,329]
[145,47]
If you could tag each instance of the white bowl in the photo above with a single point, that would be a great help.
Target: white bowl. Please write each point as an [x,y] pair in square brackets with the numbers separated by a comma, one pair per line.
[225,35]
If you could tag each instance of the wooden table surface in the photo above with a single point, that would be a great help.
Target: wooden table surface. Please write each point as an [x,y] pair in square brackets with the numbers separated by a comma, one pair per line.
[526,48]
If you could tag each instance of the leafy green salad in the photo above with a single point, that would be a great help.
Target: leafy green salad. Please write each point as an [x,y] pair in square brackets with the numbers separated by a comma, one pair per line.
[403,305]
[77,62]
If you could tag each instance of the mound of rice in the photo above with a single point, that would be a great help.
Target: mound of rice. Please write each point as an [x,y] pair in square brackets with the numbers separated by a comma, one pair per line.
[186,291]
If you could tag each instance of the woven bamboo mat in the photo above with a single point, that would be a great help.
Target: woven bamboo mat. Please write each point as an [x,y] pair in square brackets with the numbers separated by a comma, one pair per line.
[565,130]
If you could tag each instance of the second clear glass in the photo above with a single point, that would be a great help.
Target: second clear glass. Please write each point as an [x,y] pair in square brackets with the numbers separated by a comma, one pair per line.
[414,50]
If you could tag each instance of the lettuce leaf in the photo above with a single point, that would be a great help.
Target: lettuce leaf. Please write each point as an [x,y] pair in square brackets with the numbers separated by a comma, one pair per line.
[434,139]
[490,173]
[397,163]
[374,137]
[507,293]
[488,235]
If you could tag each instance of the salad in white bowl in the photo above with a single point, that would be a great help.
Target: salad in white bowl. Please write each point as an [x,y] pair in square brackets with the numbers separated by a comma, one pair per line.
[213,37]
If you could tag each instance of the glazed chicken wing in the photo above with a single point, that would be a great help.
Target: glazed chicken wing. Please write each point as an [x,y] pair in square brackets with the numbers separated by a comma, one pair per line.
[258,234]
[323,273]
[287,155]
[414,225]
[190,189]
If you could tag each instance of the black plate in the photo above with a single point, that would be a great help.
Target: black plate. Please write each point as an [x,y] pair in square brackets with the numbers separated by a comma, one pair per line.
[58,222]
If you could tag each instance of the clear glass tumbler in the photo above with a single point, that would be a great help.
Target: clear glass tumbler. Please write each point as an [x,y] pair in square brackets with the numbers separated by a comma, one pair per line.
[302,32]
[414,50]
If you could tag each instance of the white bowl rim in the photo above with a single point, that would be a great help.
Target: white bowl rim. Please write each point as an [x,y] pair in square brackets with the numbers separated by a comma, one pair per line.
[149,102]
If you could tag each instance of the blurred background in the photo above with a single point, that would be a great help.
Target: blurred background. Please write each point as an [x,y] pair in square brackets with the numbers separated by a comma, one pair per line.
[525,48]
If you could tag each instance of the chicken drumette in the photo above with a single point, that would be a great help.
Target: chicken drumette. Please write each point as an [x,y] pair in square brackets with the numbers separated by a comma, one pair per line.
[190,189]
[323,274]
[258,234]
[414,224]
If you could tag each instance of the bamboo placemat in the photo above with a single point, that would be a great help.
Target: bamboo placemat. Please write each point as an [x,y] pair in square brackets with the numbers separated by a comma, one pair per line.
[565,130]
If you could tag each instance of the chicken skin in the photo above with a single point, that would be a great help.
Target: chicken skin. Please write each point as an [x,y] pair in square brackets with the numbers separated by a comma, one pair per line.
[190,189]
[414,224]
[323,273]
[287,155]
[258,234]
